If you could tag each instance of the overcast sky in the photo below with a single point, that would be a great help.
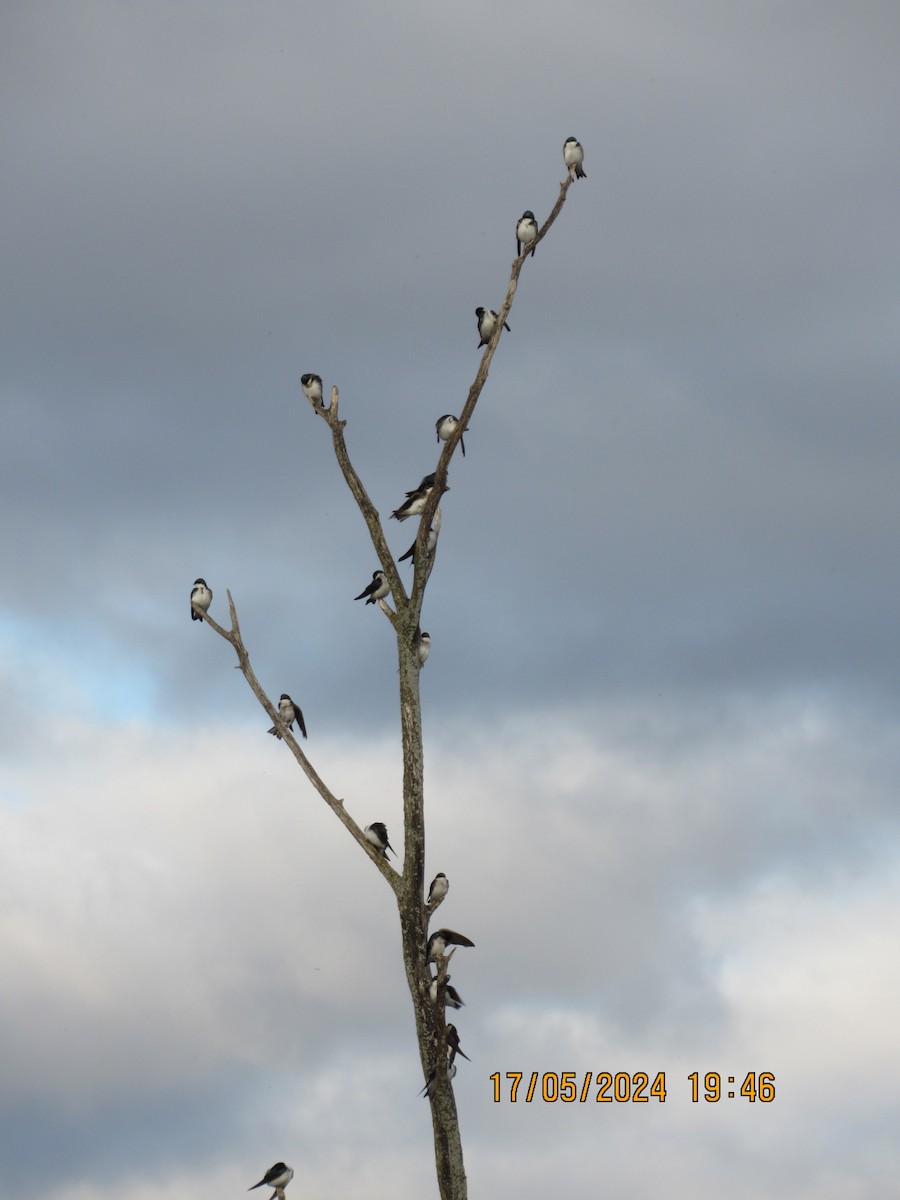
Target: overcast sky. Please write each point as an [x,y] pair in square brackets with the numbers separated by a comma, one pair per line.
[662,702]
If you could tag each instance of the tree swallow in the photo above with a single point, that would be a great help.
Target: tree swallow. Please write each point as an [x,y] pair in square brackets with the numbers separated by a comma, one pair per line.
[428,1089]
[453,1046]
[442,938]
[290,712]
[526,232]
[430,543]
[424,648]
[312,388]
[574,156]
[452,998]
[440,886]
[445,427]
[487,321]
[416,499]
[377,836]
[377,589]
[277,1177]
[201,595]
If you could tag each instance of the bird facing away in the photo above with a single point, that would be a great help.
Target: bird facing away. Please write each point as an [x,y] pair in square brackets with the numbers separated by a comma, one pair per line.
[526,232]
[201,595]
[452,998]
[312,388]
[377,589]
[277,1177]
[290,712]
[416,499]
[574,156]
[453,1046]
[442,938]
[430,543]
[445,427]
[428,1089]
[377,836]
[487,322]
[440,886]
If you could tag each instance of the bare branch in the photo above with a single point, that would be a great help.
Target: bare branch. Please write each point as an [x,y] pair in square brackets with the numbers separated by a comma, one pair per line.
[364,504]
[334,803]
[388,611]
[440,474]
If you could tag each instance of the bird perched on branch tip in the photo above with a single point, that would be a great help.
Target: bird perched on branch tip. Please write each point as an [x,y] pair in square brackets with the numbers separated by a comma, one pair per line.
[277,1177]
[312,388]
[574,157]
[201,595]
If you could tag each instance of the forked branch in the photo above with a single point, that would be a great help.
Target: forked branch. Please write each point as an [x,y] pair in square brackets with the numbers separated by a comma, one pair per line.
[429,994]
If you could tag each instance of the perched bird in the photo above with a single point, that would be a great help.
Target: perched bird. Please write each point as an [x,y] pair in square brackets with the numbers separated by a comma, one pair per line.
[277,1177]
[526,232]
[453,1046]
[426,483]
[201,595]
[377,835]
[416,499]
[312,388]
[574,156]
[442,938]
[445,427]
[440,886]
[424,648]
[290,712]
[487,322]
[430,1083]
[452,998]
[430,543]
[377,589]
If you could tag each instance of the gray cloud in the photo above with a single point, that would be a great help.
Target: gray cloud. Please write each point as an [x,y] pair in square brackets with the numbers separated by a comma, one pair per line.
[660,700]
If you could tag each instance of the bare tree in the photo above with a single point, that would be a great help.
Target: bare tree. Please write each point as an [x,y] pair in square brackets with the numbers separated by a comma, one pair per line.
[438,1041]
